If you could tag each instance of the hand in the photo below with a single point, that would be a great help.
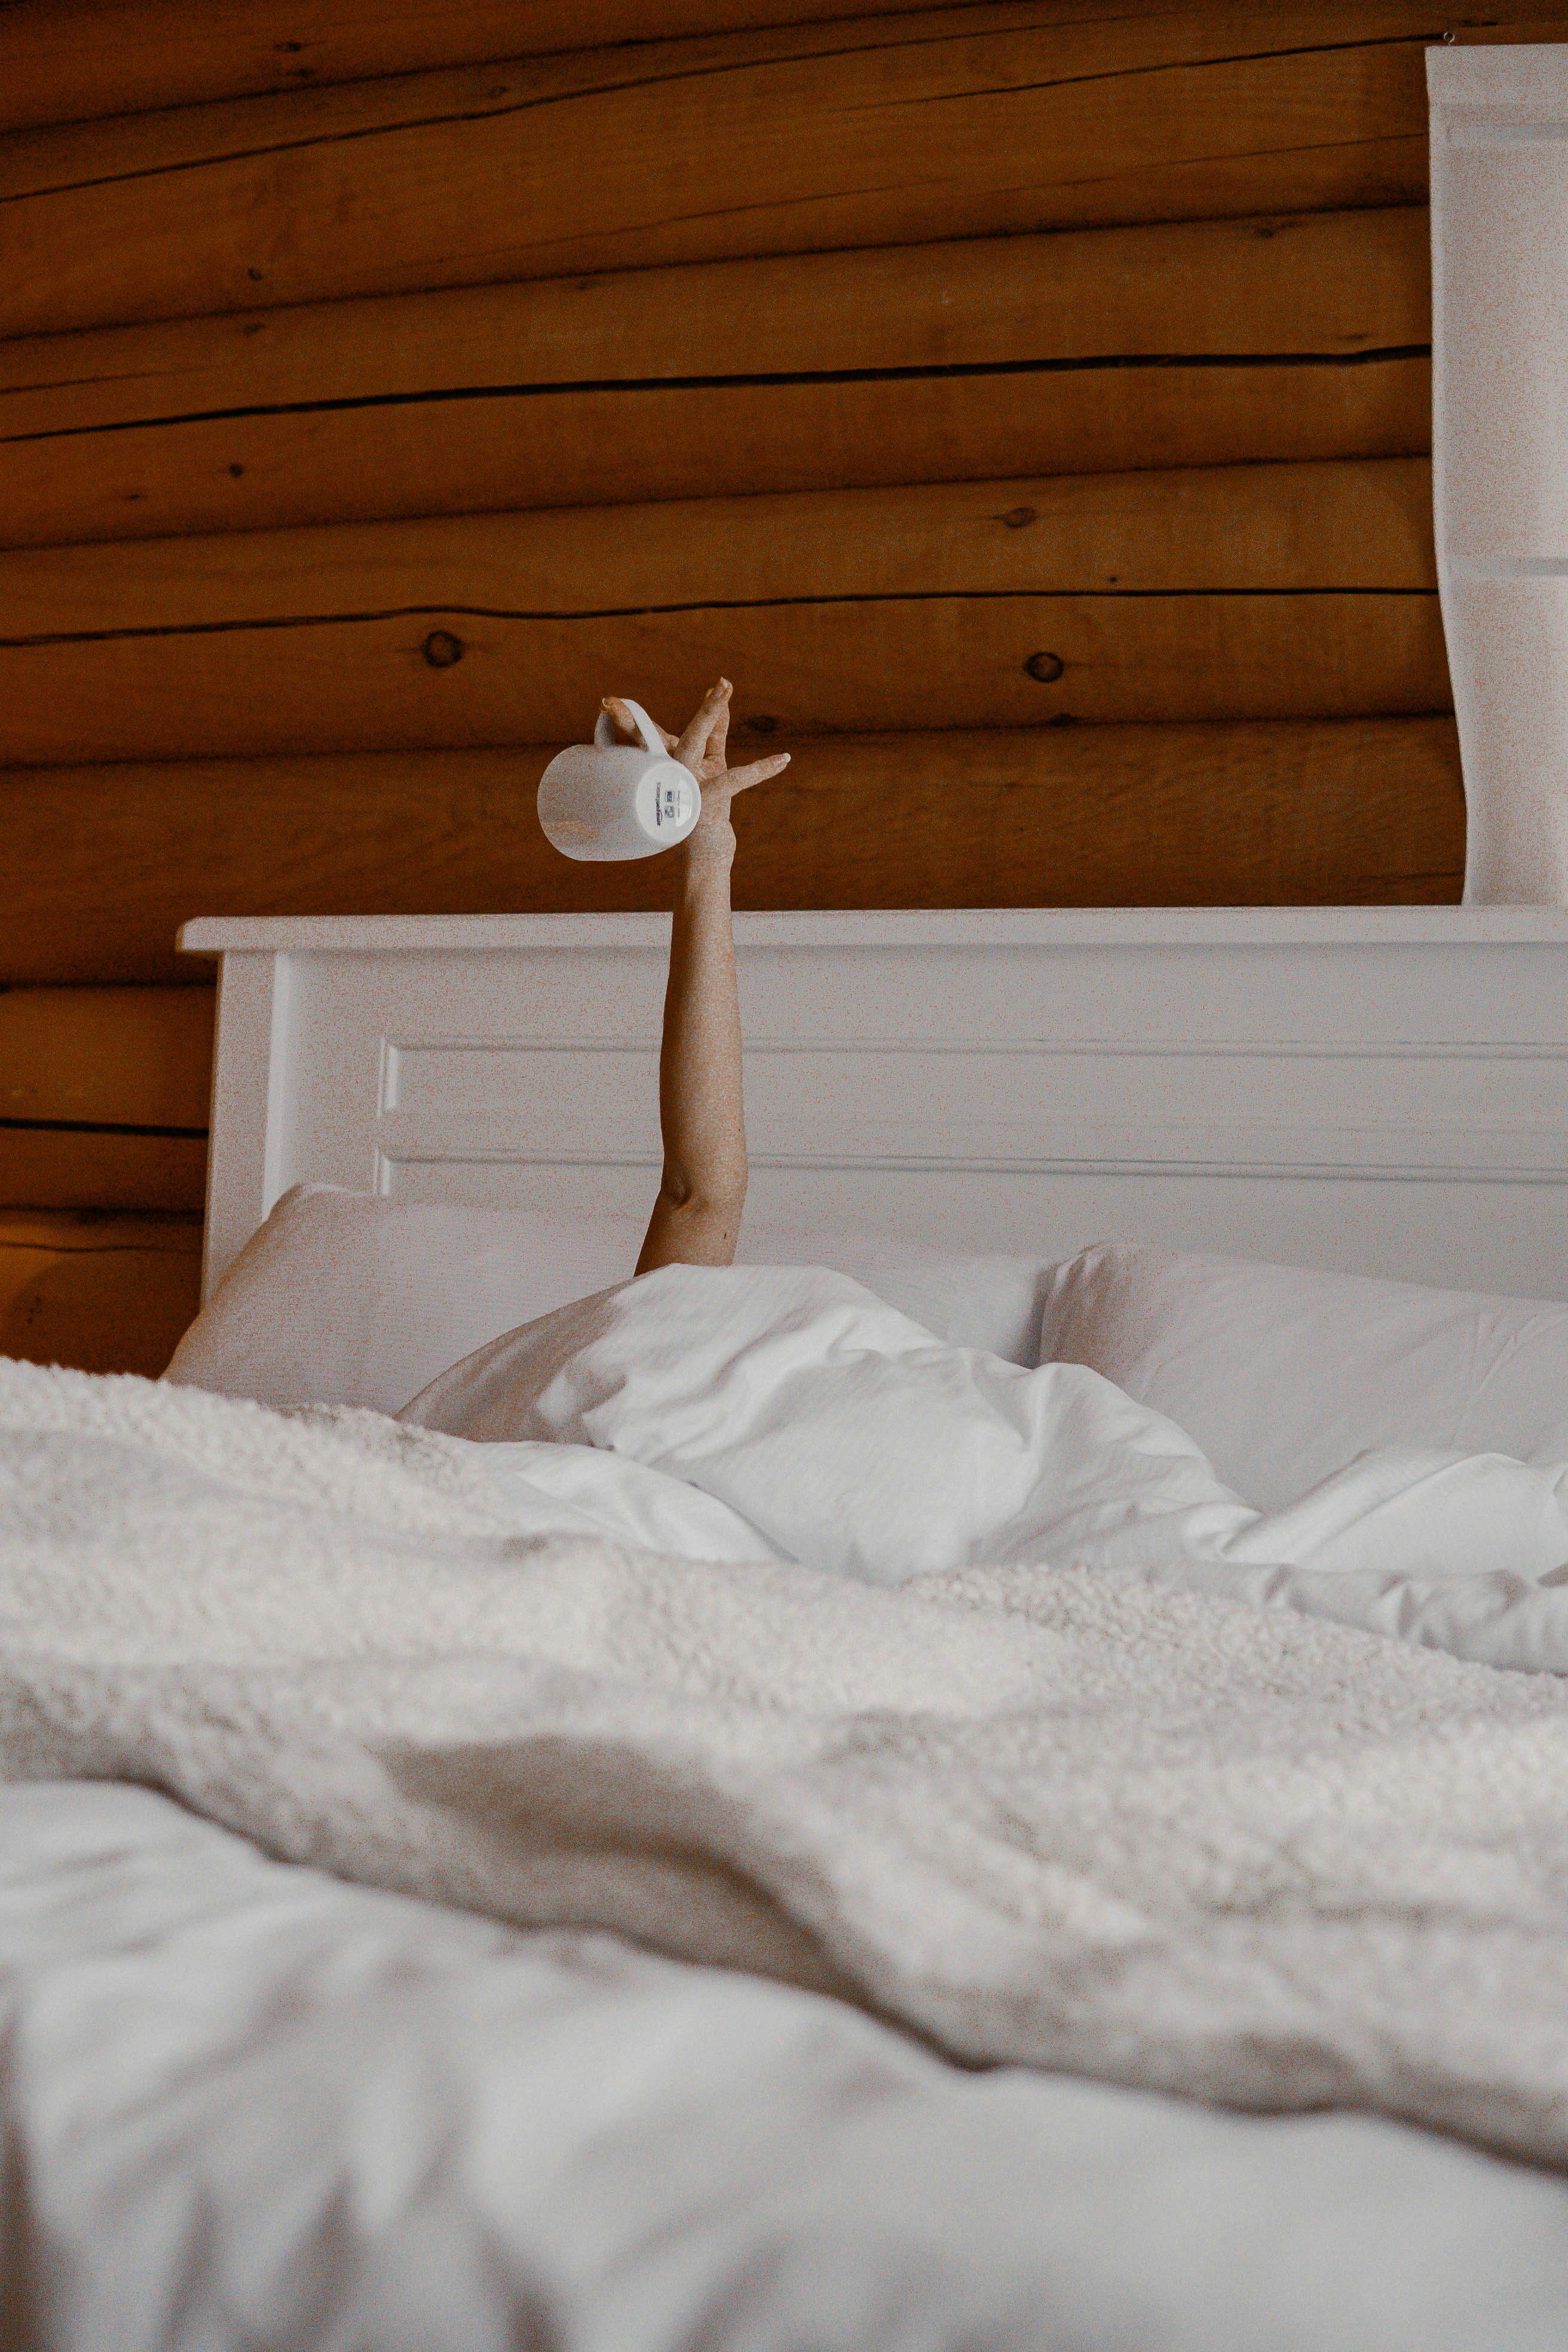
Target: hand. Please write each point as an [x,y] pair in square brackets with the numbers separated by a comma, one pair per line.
[702,748]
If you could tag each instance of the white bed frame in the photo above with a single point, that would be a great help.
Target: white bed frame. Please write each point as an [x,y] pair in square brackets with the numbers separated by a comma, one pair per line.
[1381,1090]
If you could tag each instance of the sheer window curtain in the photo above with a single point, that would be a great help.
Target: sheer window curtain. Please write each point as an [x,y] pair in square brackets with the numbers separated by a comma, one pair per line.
[1499,445]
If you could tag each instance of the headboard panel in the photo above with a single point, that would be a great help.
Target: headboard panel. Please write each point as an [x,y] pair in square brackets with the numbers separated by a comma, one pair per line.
[1381,1090]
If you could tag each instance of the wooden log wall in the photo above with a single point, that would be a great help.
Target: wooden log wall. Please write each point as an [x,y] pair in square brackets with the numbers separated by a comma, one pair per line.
[1028,404]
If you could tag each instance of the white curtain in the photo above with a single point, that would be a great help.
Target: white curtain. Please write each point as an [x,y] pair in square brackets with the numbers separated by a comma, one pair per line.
[1500,442]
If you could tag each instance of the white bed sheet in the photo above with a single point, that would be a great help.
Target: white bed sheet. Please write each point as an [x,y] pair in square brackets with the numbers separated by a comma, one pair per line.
[249,2105]
[786,1412]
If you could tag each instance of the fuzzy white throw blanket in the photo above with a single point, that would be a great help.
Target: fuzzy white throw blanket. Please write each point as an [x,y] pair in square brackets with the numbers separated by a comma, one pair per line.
[1049,1817]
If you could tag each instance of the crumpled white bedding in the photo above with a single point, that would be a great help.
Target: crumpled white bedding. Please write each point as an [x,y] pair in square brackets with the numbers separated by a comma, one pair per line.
[1055,1815]
[785,1413]
[247,2104]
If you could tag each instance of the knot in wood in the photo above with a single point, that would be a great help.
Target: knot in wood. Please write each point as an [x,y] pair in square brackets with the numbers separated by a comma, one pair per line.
[441,650]
[1047,668]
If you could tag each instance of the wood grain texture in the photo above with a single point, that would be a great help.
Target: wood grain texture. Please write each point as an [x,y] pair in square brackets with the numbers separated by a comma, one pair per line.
[1352,812]
[70,60]
[103,1097]
[1361,811]
[885,131]
[101,1293]
[1089,351]
[75,61]
[106,1056]
[1236,592]
[64,1169]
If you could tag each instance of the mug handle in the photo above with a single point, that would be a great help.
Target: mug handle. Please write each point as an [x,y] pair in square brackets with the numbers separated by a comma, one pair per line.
[603,731]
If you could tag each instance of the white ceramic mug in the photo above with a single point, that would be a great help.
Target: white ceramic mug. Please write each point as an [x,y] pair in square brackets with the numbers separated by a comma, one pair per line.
[610,800]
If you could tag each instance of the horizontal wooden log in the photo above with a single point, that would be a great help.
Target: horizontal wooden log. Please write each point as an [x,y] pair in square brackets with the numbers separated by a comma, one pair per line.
[1091,351]
[76,60]
[107,1056]
[108,862]
[474,454]
[103,1097]
[966,122]
[935,660]
[1358,812]
[68,1168]
[1337,284]
[103,1294]
[69,61]
[1243,592]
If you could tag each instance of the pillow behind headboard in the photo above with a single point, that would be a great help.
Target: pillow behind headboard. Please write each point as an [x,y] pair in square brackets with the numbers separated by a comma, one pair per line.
[344,1298]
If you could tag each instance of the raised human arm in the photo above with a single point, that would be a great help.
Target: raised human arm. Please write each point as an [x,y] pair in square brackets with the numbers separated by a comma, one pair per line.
[695,1219]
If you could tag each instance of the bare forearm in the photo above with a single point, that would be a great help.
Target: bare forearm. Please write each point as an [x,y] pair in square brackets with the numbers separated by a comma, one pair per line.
[697,1216]
[695,1219]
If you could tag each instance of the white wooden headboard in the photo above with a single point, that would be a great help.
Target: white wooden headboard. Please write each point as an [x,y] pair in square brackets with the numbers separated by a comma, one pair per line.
[1381,1090]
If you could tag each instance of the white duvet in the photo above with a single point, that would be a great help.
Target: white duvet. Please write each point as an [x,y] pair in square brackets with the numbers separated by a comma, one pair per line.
[247,2104]
[786,1414]
[1025,1801]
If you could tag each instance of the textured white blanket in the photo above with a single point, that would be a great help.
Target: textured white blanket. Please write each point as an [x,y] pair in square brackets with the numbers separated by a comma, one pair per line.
[1049,1817]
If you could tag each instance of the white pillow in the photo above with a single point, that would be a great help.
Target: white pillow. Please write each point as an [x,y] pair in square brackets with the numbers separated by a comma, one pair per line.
[344,1298]
[1284,1375]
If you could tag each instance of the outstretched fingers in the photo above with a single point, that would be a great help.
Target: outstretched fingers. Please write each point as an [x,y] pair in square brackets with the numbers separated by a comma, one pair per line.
[702,745]
[708,731]
[719,732]
[741,778]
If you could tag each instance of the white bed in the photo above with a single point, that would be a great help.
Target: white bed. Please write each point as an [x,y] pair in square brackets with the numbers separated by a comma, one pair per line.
[249,2103]
[246,2102]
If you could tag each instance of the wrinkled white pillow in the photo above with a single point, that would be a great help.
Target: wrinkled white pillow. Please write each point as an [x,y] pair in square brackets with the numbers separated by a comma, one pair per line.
[344,1298]
[1284,1375]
